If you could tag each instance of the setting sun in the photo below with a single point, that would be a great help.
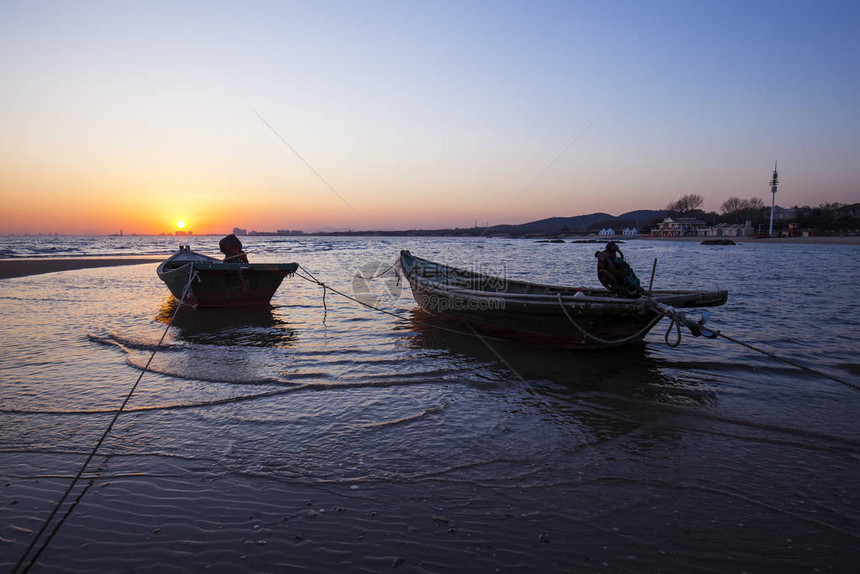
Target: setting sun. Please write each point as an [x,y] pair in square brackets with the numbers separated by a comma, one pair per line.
[180,224]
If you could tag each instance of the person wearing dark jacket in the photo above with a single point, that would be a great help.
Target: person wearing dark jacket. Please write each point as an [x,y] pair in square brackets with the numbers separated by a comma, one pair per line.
[231,247]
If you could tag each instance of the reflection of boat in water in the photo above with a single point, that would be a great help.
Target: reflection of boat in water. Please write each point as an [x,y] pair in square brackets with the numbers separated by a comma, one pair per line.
[621,377]
[546,315]
[257,326]
[214,283]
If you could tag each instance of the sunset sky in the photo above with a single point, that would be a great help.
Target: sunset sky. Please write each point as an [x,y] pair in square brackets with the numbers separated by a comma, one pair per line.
[406,114]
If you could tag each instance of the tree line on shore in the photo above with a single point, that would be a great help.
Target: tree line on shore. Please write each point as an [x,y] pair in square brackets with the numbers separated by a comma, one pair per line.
[825,216]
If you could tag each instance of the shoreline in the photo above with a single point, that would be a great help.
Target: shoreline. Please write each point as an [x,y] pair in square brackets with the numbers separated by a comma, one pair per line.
[12,268]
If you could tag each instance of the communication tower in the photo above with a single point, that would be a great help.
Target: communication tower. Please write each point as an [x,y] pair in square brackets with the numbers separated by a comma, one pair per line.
[773,183]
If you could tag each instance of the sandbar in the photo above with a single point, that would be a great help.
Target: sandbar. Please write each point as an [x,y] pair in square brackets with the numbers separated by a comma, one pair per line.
[10,268]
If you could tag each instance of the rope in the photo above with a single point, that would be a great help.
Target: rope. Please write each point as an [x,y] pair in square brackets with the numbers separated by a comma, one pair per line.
[794,364]
[621,341]
[313,279]
[678,318]
[411,320]
[93,451]
[677,326]
[390,267]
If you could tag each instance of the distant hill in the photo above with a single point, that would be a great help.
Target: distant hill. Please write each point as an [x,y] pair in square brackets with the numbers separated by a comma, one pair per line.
[578,223]
[643,216]
[551,226]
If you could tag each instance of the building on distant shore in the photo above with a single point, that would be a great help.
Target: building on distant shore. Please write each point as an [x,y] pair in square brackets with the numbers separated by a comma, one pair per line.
[727,230]
[678,227]
[606,231]
[239,231]
[630,231]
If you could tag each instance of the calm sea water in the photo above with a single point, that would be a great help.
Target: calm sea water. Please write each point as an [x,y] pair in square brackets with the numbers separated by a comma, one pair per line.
[336,438]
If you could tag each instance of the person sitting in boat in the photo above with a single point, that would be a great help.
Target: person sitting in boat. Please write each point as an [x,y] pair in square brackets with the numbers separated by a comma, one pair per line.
[231,247]
[616,274]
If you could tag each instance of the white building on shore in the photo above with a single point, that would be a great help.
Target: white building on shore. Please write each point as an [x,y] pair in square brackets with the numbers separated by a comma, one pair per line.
[678,227]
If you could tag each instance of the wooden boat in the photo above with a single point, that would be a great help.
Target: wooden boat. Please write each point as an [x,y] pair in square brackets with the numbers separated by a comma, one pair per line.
[214,283]
[546,315]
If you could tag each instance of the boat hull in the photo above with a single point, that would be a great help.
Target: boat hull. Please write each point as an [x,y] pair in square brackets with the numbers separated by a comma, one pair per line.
[216,284]
[544,315]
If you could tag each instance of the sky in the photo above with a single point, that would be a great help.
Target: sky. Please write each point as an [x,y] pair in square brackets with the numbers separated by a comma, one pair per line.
[403,114]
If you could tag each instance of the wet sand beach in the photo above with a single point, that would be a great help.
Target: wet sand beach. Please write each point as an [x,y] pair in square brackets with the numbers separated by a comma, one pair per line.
[24,267]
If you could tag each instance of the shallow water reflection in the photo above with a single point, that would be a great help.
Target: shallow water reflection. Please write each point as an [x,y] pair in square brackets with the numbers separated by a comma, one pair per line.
[629,371]
[252,326]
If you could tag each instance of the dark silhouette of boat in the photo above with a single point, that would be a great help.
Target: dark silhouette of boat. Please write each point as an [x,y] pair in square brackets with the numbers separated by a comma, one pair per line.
[546,315]
[201,281]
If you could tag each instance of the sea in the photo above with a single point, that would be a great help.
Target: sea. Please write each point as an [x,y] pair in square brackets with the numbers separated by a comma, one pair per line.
[323,435]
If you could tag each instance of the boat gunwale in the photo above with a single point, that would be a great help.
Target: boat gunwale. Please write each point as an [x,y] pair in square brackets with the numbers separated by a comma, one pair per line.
[216,266]
[575,296]
[529,297]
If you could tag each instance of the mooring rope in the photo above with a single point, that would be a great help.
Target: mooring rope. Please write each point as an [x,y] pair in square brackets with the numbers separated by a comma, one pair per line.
[311,278]
[390,267]
[642,332]
[92,453]
[412,320]
[794,364]
[678,318]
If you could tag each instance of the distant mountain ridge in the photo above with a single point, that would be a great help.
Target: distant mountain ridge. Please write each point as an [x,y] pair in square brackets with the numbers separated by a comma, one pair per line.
[640,218]
[580,223]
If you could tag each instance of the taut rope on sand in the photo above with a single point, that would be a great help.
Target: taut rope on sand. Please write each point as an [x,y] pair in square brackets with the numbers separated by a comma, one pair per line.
[32,562]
